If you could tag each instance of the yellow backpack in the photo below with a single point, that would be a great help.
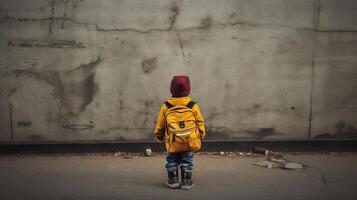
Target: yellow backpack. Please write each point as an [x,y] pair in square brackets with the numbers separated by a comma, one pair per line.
[181,128]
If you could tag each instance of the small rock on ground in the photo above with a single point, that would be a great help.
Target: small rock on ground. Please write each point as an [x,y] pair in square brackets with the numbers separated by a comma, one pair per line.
[293,166]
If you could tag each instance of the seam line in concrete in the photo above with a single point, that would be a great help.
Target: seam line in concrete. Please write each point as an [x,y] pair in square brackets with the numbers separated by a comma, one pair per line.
[51,19]
[314,51]
[11,123]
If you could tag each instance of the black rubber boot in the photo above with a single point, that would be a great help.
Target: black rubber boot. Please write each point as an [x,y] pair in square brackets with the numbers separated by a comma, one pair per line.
[186,180]
[172,180]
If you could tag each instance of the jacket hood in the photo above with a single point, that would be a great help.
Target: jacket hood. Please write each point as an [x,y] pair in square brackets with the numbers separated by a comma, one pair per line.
[183,101]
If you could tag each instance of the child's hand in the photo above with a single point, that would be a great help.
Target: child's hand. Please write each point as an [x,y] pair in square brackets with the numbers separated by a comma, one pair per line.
[160,140]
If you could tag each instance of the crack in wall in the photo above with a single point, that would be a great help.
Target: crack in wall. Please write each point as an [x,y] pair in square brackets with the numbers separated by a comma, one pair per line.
[64,14]
[203,26]
[51,21]
[181,46]
[175,10]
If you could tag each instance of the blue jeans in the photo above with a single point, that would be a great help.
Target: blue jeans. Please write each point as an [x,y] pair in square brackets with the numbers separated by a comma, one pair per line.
[183,159]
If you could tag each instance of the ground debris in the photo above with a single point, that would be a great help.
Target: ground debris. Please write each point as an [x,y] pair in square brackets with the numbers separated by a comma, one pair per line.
[277,161]
[263,151]
[267,164]
[229,154]
[117,154]
[128,155]
[148,152]
[293,166]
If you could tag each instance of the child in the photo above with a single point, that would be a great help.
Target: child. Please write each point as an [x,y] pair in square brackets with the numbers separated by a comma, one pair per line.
[182,136]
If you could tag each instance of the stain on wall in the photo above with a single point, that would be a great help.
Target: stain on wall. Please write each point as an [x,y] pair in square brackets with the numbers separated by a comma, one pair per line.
[74,88]
[343,130]
[261,132]
[206,22]
[36,138]
[49,43]
[148,65]
[24,123]
[79,87]
[219,133]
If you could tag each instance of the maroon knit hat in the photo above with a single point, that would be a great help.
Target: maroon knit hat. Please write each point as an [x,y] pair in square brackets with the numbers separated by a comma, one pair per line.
[180,86]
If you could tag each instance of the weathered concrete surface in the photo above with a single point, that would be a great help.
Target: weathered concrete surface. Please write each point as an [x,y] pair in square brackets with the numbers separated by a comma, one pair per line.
[5,124]
[338,15]
[334,100]
[335,86]
[108,177]
[87,70]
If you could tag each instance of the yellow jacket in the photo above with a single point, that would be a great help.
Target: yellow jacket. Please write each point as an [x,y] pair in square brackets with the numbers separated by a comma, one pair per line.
[160,125]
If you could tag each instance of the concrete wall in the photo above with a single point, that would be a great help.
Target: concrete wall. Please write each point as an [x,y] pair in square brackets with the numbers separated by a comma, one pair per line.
[75,70]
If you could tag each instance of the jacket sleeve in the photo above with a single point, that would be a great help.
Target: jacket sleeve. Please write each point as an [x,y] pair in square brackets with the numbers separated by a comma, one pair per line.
[160,123]
[200,121]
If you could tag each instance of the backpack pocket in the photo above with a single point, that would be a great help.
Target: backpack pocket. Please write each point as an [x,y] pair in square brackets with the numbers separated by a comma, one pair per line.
[186,139]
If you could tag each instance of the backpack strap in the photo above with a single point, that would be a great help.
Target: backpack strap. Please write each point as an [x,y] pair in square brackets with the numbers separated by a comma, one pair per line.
[168,105]
[190,104]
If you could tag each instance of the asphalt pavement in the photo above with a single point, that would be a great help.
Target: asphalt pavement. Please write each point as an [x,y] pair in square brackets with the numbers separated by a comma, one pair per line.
[122,176]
